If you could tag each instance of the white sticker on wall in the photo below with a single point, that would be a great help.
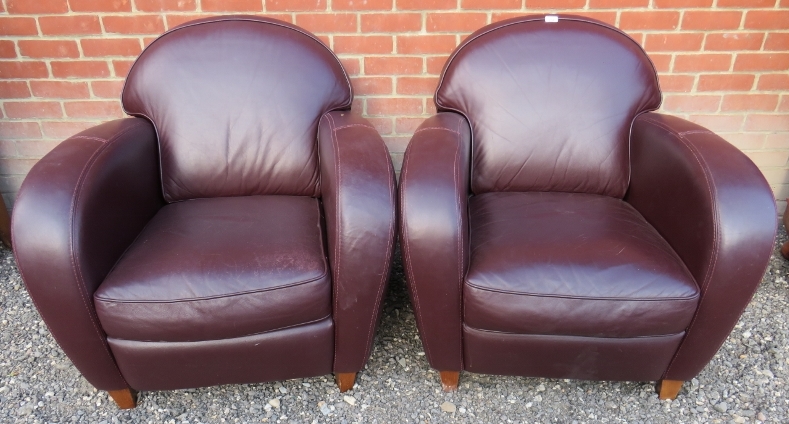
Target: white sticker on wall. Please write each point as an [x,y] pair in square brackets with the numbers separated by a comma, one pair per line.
[551,18]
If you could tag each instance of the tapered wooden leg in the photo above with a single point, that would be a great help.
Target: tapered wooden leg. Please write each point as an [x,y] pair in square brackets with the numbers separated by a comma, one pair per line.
[785,250]
[449,380]
[668,389]
[345,380]
[126,398]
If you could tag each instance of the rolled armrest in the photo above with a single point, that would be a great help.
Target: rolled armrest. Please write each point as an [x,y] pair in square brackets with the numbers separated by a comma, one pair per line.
[434,190]
[77,211]
[358,195]
[714,207]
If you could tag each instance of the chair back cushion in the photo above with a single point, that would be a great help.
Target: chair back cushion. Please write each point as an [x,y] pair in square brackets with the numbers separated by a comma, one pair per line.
[550,104]
[236,102]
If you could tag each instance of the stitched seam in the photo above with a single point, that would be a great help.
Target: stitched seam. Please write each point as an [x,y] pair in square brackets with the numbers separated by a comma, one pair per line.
[336,282]
[76,195]
[716,235]
[467,327]
[407,251]
[222,296]
[437,128]
[633,299]
[353,125]
[387,257]
[103,140]
[456,176]
[691,131]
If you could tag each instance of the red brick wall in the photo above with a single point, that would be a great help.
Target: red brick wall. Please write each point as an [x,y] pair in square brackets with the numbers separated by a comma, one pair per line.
[722,63]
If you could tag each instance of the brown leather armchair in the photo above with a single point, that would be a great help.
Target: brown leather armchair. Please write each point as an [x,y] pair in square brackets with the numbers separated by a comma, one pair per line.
[238,229]
[553,227]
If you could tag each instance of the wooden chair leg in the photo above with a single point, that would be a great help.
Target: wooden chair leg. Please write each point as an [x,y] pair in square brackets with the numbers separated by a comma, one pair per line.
[668,389]
[449,380]
[125,398]
[785,250]
[345,380]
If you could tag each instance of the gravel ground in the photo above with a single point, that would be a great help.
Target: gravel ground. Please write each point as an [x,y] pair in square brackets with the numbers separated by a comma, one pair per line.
[745,382]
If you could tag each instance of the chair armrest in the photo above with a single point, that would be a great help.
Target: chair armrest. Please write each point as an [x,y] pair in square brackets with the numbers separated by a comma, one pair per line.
[715,209]
[434,190]
[77,211]
[358,195]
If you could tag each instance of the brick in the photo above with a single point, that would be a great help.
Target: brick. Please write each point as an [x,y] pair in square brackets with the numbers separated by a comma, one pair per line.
[146,24]
[392,65]
[327,22]
[417,85]
[166,5]
[455,22]
[617,4]
[719,123]
[35,148]
[80,69]
[107,89]
[490,4]
[27,69]
[100,47]
[371,85]
[36,7]
[382,125]
[676,83]
[769,158]
[674,42]
[555,4]
[734,41]
[7,49]
[436,64]
[60,89]
[17,166]
[406,125]
[8,149]
[391,22]
[748,102]
[767,19]
[691,103]
[361,4]
[748,4]
[397,144]
[62,130]
[19,130]
[100,5]
[232,5]
[425,4]
[773,82]
[711,20]
[662,62]
[783,106]
[352,65]
[425,44]
[387,106]
[762,62]
[757,122]
[702,62]
[175,20]
[35,109]
[367,44]
[14,90]
[725,82]
[744,140]
[681,4]
[48,48]
[293,5]
[648,20]
[777,141]
[69,25]
[18,26]
[121,67]
[777,41]
[93,109]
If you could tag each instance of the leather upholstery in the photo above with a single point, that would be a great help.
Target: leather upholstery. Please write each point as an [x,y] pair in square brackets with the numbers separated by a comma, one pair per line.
[236,103]
[554,108]
[572,264]
[254,269]
[78,209]
[434,188]
[715,209]
[355,164]
[585,260]
[245,256]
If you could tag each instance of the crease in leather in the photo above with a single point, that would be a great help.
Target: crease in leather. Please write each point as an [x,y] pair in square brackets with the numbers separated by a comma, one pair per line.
[655,336]
[560,296]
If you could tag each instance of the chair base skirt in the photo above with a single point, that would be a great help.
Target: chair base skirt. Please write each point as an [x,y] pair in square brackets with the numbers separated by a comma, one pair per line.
[304,351]
[582,358]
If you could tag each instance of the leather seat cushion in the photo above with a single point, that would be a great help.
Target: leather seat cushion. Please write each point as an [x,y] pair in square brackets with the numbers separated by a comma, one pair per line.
[572,264]
[209,269]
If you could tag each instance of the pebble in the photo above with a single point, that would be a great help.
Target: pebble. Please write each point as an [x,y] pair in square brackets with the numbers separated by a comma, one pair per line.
[350,400]
[721,407]
[274,402]
[448,407]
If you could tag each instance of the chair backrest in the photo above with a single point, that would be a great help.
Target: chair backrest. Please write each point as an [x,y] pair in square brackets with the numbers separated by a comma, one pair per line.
[550,104]
[236,102]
